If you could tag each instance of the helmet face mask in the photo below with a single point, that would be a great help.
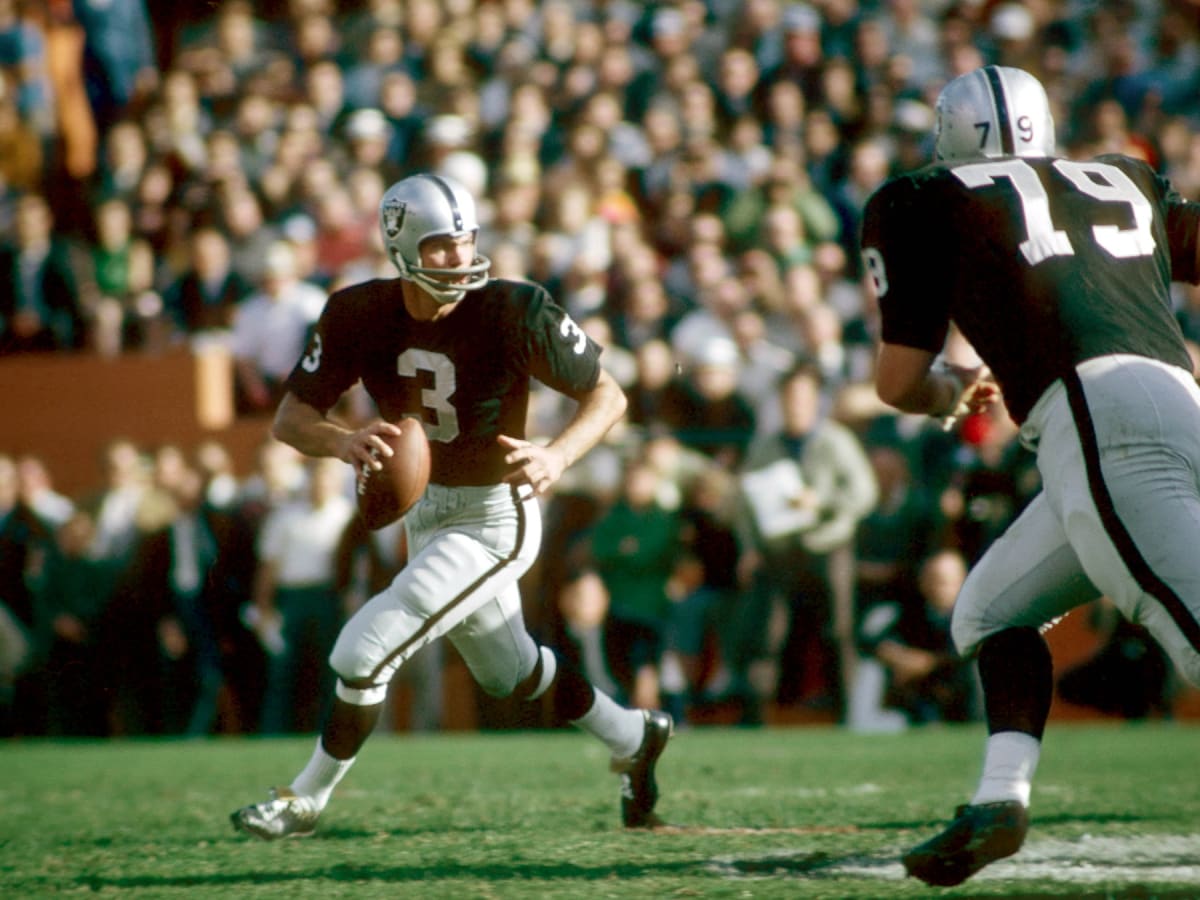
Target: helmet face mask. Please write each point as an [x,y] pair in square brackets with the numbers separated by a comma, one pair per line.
[424,206]
[994,111]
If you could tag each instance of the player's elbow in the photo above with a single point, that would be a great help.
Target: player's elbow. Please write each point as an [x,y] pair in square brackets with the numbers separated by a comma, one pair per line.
[894,395]
[281,428]
[613,396]
[620,403]
[286,426]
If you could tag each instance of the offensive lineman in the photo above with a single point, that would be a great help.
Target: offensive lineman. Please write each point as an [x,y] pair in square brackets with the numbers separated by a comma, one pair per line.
[446,344]
[1057,271]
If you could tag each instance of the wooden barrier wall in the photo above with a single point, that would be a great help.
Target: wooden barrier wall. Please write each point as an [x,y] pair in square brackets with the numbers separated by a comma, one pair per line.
[66,408]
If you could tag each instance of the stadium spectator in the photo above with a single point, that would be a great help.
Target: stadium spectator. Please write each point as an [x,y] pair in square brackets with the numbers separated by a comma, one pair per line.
[210,568]
[802,56]
[128,312]
[71,605]
[383,53]
[908,637]
[36,486]
[369,140]
[296,607]
[21,155]
[24,541]
[704,408]
[805,490]
[119,63]
[24,69]
[634,545]
[117,503]
[785,186]
[706,616]
[206,296]
[123,161]
[40,307]
[242,218]
[896,534]
[270,328]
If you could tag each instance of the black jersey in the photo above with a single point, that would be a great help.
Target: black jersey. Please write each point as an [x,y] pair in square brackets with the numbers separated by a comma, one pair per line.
[466,376]
[1041,263]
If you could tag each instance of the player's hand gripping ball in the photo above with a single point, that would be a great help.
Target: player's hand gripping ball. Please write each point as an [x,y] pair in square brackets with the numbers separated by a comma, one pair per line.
[384,495]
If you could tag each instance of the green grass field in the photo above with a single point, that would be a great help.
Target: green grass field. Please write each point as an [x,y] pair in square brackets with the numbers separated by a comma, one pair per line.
[787,813]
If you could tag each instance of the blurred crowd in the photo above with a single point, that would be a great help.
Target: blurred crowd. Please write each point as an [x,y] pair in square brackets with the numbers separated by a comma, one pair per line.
[686,178]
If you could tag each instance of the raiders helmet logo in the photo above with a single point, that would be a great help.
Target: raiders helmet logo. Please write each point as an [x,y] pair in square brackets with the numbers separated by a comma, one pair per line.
[393,217]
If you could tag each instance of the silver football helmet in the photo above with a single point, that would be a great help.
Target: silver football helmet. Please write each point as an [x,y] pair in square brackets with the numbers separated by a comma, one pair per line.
[994,111]
[425,206]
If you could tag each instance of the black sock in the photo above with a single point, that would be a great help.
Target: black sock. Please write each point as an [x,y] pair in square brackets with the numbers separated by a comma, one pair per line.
[1018,681]
[571,694]
[348,728]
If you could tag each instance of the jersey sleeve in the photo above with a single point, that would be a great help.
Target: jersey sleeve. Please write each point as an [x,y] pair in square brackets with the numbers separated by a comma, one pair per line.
[561,355]
[896,244]
[327,368]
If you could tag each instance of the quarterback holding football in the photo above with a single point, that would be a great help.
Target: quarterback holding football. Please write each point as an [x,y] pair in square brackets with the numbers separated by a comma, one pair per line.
[454,350]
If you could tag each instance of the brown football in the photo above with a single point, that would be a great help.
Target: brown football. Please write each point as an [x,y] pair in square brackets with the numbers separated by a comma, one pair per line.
[384,495]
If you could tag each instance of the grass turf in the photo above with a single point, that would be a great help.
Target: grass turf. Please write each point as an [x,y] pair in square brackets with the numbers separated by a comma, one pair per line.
[787,813]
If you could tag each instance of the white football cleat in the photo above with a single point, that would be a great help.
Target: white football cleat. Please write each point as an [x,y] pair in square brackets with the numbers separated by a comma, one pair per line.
[286,814]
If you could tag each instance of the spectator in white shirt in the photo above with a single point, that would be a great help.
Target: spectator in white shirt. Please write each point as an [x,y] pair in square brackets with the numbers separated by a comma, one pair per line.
[294,589]
[271,328]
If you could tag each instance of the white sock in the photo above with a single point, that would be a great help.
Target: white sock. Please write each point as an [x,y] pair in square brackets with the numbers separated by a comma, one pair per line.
[1008,766]
[620,728]
[318,779]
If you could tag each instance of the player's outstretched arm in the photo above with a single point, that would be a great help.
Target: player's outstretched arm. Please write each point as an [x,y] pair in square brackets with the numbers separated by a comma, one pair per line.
[538,466]
[308,430]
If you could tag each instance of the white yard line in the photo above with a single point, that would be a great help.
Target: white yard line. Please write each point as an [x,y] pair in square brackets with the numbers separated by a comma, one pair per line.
[1138,859]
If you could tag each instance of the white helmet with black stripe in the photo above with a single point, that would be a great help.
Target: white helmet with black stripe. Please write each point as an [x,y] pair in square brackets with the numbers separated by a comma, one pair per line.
[424,206]
[994,111]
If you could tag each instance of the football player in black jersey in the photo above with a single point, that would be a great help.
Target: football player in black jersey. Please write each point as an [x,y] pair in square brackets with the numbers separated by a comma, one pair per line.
[448,345]
[1057,271]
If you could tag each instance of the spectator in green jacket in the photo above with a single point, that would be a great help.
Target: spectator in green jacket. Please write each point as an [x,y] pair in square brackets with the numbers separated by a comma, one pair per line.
[634,549]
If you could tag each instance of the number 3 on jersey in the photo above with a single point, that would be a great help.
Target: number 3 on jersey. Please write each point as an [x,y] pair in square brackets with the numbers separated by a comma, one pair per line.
[436,399]
[1100,181]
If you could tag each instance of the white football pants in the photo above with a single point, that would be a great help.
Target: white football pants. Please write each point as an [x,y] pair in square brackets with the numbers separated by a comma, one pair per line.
[1118,448]
[467,546]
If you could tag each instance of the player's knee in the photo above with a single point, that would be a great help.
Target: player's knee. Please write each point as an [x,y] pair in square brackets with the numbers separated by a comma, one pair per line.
[347,663]
[521,675]
[965,631]
[497,684]
[360,682]
[498,677]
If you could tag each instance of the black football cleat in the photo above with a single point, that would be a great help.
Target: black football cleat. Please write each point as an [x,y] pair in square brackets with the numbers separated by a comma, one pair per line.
[639,789]
[979,835]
